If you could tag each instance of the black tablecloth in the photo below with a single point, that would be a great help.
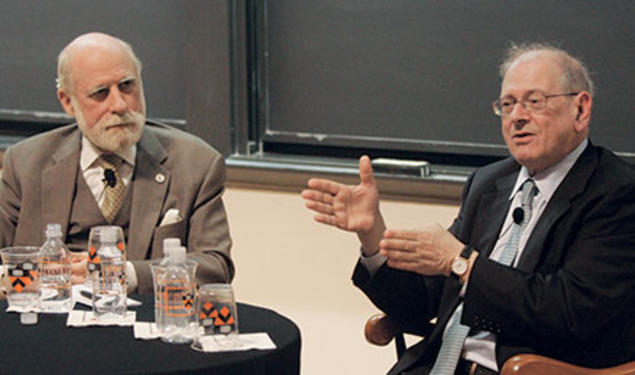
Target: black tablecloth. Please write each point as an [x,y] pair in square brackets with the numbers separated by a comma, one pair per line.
[49,347]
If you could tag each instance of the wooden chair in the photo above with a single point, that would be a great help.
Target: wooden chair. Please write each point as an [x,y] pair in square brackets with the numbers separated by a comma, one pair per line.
[380,329]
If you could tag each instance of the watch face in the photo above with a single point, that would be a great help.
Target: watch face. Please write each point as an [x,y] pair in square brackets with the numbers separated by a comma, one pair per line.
[459,266]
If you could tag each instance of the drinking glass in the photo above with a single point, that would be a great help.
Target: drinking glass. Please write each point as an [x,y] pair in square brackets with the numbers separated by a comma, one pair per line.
[20,276]
[107,271]
[217,316]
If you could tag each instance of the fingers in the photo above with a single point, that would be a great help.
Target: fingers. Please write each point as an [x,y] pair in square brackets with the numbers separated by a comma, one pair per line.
[320,198]
[75,279]
[79,269]
[324,186]
[366,171]
[405,245]
[322,208]
[412,235]
[326,219]
[397,245]
[402,265]
[77,257]
[317,196]
[399,252]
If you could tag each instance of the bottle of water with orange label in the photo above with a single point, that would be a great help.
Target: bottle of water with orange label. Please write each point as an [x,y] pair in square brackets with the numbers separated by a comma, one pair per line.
[178,298]
[54,268]
[158,272]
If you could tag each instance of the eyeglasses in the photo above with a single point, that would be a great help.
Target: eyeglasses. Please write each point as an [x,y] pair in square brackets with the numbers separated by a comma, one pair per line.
[534,101]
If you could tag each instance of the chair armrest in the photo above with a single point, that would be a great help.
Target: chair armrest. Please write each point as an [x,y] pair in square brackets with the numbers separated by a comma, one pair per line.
[380,329]
[524,364]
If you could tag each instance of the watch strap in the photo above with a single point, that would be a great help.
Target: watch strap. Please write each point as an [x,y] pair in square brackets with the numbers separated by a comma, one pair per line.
[467,251]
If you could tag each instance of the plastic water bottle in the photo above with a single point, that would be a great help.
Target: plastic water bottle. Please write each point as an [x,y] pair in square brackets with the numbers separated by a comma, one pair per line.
[54,268]
[177,285]
[109,281]
[158,272]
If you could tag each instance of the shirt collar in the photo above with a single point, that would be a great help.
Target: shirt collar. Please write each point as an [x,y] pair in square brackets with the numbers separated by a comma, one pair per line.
[547,181]
[90,154]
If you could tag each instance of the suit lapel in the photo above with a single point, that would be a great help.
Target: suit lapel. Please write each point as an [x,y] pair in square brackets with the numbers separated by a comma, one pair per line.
[572,186]
[150,185]
[58,183]
[492,210]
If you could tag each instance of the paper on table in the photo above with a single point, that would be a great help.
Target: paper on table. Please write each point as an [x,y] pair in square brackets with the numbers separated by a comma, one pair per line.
[80,318]
[36,308]
[20,309]
[82,293]
[149,331]
[146,331]
[248,341]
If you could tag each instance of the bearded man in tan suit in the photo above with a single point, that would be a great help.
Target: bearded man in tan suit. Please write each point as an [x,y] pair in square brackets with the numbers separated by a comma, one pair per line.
[173,180]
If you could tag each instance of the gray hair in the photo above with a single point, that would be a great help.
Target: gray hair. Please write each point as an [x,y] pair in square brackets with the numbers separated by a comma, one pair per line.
[64,73]
[576,76]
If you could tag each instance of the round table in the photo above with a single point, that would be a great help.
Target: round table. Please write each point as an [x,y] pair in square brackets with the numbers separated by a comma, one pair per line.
[51,347]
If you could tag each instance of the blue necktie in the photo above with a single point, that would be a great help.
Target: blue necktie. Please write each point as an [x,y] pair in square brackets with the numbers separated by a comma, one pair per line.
[453,341]
[520,223]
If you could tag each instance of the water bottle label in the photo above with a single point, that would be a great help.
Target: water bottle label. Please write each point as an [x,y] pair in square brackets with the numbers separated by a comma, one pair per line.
[188,300]
[178,300]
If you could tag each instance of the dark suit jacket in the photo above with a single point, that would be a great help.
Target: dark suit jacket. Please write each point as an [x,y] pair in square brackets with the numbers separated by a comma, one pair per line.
[572,295]
[173,169]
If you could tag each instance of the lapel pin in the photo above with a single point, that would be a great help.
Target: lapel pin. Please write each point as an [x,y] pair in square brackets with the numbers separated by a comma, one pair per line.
[160,178]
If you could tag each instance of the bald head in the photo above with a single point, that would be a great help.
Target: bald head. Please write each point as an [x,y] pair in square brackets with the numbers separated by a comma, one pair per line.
[88,43]
[575,75]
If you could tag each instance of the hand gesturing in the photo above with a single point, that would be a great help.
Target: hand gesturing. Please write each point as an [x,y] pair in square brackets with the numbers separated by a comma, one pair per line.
[351,208]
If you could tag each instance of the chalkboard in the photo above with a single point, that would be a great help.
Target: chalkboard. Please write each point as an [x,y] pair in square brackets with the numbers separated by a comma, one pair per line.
[420,75]
[33,32]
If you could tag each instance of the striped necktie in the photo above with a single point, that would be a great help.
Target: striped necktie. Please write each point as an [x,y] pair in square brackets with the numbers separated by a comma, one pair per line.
[114,190]
[452,345]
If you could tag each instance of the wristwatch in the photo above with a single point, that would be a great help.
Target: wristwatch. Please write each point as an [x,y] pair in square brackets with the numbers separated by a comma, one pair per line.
[461,263]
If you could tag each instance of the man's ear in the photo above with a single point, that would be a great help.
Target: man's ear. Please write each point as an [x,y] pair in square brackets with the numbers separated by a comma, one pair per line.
[65,100]
[583,104]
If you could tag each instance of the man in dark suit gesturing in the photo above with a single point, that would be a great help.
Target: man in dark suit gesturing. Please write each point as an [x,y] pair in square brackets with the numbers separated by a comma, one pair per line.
[539,259]
[168,183]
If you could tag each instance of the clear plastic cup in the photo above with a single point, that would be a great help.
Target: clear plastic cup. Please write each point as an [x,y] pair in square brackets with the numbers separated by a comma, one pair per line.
[217,317]
[21,277]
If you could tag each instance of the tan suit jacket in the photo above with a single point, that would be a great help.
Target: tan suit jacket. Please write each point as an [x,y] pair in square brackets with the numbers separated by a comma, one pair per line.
[173,169]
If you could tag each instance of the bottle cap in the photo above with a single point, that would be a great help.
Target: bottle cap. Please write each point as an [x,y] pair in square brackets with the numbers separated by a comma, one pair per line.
[170,243]
[178,254]
[53,230]
[28,318]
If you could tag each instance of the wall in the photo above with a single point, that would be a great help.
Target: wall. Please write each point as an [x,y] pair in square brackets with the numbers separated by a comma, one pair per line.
[302,269]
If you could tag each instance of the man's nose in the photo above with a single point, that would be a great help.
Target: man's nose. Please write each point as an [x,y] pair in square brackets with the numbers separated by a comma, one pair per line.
[519,114]
[118,102]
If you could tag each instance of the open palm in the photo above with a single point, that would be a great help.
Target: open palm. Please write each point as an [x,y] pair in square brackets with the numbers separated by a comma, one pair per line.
[351,208]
